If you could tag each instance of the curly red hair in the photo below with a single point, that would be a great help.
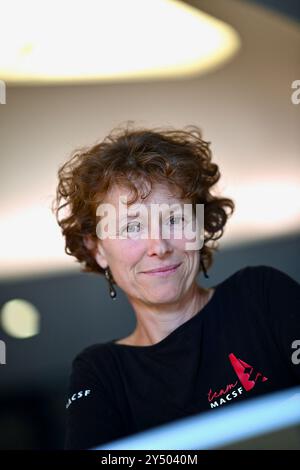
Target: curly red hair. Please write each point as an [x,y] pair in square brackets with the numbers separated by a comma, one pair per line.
[129,156]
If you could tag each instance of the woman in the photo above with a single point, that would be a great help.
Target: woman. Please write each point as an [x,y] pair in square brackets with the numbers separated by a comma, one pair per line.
[193,348]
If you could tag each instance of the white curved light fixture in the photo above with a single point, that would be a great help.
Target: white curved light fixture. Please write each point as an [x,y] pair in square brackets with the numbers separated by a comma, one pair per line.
[66,41]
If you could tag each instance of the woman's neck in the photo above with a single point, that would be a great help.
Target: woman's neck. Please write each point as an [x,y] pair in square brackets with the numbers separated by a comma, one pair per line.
[154,324]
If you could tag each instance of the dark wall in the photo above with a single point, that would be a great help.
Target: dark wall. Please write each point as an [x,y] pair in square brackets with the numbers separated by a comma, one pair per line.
[290,8]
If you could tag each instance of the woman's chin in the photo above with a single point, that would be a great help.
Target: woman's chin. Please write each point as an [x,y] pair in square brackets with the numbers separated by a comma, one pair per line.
[161,296]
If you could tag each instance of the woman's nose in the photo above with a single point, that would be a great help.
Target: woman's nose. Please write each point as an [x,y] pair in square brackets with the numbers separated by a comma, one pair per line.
[158,246]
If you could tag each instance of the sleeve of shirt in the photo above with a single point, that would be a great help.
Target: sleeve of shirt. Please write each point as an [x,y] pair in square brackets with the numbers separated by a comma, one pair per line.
[92,416]
[282,297]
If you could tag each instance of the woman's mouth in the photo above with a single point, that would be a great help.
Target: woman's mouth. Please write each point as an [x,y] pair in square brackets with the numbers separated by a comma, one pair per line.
[164,271]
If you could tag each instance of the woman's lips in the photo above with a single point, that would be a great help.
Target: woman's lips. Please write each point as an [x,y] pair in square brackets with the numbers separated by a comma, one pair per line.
[165,272]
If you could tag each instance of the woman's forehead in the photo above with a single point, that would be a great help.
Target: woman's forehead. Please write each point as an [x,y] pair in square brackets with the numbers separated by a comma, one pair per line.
[159,193]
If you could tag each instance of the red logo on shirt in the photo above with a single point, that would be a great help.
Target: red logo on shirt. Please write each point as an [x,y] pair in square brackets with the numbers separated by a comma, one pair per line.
[223,391]
[244,372]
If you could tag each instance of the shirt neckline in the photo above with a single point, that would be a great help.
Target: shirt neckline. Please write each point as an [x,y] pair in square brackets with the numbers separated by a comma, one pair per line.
[177,330]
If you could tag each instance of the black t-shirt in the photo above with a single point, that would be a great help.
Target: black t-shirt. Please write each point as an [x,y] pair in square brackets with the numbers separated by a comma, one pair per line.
[238,346]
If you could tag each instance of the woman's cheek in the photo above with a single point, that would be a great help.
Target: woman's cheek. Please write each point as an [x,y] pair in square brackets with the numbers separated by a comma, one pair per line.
[130,249]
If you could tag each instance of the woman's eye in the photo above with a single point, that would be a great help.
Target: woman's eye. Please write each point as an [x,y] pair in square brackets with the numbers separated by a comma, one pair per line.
[131,227]
[178,219]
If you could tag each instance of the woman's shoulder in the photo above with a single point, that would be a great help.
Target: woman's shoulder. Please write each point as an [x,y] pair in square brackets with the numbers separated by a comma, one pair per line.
[259,284]
[94,354]
[246,276]
[257,274]
[93,366]
[254,270]
[265,275]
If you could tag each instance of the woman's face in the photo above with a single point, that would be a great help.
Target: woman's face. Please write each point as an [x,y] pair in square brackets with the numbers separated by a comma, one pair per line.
[129,258]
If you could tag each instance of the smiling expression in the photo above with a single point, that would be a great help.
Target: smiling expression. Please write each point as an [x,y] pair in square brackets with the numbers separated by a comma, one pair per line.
[131,258]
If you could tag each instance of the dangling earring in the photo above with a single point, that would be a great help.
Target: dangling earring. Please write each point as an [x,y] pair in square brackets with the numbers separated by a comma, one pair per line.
[204,269]
[112,291]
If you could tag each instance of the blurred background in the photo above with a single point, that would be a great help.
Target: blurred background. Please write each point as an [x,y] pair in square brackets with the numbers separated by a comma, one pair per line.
[72,71]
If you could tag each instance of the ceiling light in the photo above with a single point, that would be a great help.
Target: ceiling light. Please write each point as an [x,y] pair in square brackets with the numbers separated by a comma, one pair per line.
[63,41]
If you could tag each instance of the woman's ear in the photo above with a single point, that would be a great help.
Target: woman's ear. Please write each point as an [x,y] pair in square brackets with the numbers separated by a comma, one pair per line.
[96,249]
[100,256]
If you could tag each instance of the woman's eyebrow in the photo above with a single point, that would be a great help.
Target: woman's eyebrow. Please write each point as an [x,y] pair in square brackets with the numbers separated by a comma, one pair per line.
[129,217]
[139,214]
